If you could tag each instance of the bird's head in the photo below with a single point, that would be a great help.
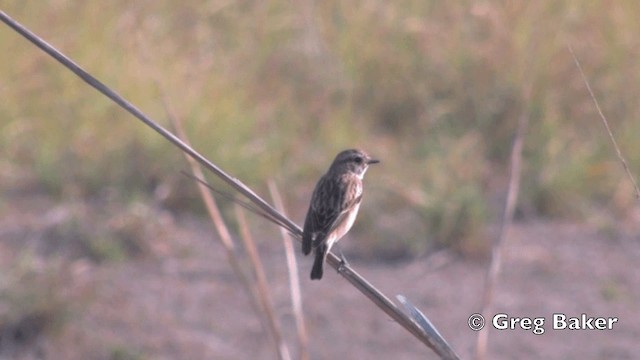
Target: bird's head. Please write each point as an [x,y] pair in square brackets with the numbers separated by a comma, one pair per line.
[352,160]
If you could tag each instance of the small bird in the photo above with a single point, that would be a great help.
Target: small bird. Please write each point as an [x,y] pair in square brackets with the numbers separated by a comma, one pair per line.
[334,205]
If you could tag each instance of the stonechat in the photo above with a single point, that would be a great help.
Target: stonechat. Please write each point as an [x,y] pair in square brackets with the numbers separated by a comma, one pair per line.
[334,205]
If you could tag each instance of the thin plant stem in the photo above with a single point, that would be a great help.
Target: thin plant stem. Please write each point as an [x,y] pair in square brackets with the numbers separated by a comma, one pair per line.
[606,123]
[294,277]
[263,287]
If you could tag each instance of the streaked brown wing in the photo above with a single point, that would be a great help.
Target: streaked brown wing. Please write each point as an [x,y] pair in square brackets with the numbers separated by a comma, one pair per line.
[322,212]
[318,217]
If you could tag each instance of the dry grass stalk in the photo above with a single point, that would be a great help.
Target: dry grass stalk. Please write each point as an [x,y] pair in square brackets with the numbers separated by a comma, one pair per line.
[491,277]
[258,292]
[214,214]
[493,271]
[263,288]
[606,123]
[294,277]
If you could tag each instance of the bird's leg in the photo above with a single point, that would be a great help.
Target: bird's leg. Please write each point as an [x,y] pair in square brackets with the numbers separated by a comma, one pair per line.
[343,261]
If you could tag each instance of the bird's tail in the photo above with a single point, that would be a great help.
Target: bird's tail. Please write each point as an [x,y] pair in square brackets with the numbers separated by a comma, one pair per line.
[306,243]
[316,270]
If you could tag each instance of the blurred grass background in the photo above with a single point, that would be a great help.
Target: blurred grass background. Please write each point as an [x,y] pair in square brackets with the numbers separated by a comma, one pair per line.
[274,89]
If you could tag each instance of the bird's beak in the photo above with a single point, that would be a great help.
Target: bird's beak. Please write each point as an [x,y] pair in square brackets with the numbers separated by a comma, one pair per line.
[372,161]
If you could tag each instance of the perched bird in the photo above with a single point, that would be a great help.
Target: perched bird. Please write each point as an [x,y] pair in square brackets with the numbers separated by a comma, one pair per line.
[334,205]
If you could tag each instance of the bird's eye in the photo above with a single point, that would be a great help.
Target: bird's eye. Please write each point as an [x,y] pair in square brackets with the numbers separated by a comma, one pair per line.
[358,160]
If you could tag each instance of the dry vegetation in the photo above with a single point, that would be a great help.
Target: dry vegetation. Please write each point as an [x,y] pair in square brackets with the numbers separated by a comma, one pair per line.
[275,89]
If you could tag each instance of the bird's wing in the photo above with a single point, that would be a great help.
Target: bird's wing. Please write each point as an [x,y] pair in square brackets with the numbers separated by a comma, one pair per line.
[307,231]
[319,216]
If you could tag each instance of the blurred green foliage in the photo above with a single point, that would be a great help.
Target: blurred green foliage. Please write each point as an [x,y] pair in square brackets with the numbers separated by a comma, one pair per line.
[32,300]
[274,89]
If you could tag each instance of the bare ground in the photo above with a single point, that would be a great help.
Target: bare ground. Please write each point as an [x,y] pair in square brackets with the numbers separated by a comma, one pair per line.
[180,300]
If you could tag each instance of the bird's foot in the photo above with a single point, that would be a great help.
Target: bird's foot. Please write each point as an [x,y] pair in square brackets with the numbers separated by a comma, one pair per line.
[343,263]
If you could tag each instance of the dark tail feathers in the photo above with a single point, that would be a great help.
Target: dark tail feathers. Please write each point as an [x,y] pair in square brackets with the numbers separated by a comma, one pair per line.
[316,271]
[306,243]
